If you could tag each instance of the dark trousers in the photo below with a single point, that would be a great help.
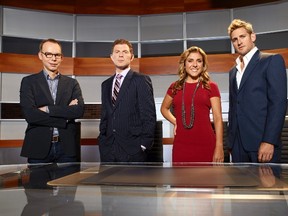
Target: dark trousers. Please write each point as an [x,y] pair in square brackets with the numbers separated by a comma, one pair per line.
[56,155]
[118,154]
[239,154]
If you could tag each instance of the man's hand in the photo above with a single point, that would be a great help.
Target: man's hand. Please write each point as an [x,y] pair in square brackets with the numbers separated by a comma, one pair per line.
[73,102]
[43,109]
[265,152]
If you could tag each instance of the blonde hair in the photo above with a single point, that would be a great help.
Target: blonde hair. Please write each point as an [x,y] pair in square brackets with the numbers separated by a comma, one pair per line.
[204,76]
[238,23]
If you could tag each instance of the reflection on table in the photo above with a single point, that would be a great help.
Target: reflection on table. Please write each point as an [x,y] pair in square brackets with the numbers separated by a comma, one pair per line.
[44,199]
[145,189]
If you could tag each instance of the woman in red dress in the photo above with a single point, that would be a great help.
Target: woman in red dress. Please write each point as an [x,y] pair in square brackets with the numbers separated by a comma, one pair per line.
[191,97]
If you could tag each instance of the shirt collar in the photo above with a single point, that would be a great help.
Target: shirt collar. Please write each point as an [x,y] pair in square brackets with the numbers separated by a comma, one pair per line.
[48,77]
[248,56]
[124,72]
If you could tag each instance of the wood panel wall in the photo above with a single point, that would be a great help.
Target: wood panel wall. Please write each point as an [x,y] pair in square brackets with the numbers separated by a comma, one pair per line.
[129,7]
[22,63]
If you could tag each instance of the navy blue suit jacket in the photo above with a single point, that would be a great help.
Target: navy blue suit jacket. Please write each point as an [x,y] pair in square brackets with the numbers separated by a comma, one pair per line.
[132,121]
[35,93]
[258,107]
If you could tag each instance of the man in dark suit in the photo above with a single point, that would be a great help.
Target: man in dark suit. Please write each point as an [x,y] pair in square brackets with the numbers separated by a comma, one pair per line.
[128,116]
[257,99]
[50,103]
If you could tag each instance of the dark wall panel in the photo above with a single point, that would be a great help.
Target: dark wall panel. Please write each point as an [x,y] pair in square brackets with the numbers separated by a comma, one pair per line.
[97,49]
[29,46]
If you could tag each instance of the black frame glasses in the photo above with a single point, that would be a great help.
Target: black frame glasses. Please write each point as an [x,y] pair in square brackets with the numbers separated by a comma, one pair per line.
[50,55]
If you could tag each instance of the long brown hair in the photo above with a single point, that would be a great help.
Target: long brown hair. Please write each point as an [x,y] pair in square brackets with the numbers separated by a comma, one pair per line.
[204,76]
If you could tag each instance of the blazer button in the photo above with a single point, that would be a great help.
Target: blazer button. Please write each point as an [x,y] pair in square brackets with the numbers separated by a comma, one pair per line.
[114,130]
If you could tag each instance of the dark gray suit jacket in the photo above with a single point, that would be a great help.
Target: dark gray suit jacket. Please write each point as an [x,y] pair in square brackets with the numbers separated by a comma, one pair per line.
[131,122]
[35,93]
[258,107]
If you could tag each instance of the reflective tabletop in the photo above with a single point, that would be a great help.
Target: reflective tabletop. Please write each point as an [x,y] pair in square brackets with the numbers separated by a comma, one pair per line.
[144,189]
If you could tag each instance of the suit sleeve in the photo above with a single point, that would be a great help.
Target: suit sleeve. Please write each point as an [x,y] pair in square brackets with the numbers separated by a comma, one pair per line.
[30,110]
[64,110]
[103,121]
[277,97]
[147,110]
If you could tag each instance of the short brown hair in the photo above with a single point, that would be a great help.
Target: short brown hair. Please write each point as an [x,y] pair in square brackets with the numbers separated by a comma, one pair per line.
[123,41]
[49,40]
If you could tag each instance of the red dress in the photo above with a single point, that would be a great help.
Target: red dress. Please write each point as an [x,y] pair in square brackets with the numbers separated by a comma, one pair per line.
[197,143]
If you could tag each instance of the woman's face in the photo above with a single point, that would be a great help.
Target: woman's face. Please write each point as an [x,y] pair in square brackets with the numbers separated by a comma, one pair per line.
[194,66]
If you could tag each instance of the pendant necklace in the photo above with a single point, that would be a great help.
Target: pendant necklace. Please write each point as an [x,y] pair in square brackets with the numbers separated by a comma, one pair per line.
[190,125]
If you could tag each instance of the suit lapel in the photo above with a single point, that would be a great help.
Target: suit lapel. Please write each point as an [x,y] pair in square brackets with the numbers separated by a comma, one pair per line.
[233,81]
[124,87]
[42,81]
[60,89]
[109,90]
[249,69]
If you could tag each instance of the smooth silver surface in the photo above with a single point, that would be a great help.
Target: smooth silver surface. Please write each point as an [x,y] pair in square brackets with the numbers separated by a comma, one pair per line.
[24,191]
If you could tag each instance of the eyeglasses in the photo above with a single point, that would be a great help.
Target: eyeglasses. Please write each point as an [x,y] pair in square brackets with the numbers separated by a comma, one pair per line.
[50,55]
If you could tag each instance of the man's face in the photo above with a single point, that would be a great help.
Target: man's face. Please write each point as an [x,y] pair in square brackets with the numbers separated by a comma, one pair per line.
[121,57]
[242,41]
[51,56]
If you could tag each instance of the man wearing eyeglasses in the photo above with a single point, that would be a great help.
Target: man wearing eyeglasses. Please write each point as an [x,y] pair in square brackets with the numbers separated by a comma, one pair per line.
[50,103]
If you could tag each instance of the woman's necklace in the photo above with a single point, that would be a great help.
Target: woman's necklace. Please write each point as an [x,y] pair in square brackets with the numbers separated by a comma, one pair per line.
[192,108]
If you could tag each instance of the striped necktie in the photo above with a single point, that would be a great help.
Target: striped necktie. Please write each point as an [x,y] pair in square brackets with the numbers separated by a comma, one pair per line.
[116,88]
